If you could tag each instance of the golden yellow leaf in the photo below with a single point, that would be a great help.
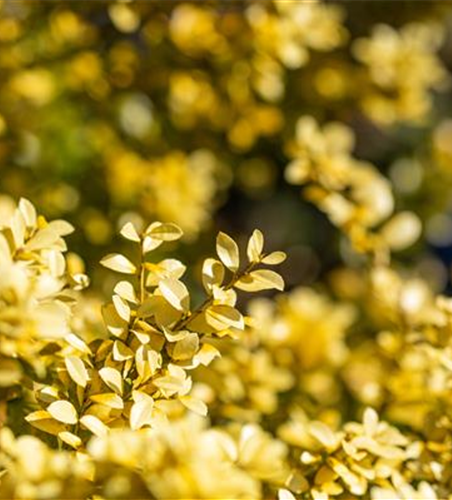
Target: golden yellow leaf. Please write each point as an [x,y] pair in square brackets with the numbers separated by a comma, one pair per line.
[126,291]
[5,251]
[119,263]
[195,405]
[164,231]
[176,293]
[255,246]
[154,360]
[175,336]
[43,421]
[140,396]
[93,424]
[185,348]
[112,378]
[44,238]
[222,317]
[168,268]
[228,251]
[141,413]
[48,394]
[77,343]
[70,439]
[212,273]
[150,244]
[274,258]
[121,352]
[28,212]
[77,370]
[142,337]
[324,435]
[122,308]
[263,279]
[109,399]
[285,495]
[63,411]
[206,354]
[61,227]
[129,232]
[18,229]
[115,325]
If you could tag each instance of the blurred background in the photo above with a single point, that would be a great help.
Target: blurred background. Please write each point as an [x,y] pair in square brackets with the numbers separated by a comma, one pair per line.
[185,112]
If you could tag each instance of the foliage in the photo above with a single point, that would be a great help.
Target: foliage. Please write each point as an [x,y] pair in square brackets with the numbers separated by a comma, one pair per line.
[156,129]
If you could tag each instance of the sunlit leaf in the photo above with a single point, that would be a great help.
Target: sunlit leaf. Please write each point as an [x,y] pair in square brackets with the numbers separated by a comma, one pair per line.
[122,308]
[274,258]
[109,399]
[164,231]
[263,279]
[121,352]
[221,317]
[94,425]
[70,439]
[28,212]
[63,411]
[129,232]
[77,370]
[61,227]
[206,354]
[112,378]
[141,413]
[176,293]
[126,291]
[228,251]
[185,348]
[212,273]
[255,246]
[195,405]
[119,263]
